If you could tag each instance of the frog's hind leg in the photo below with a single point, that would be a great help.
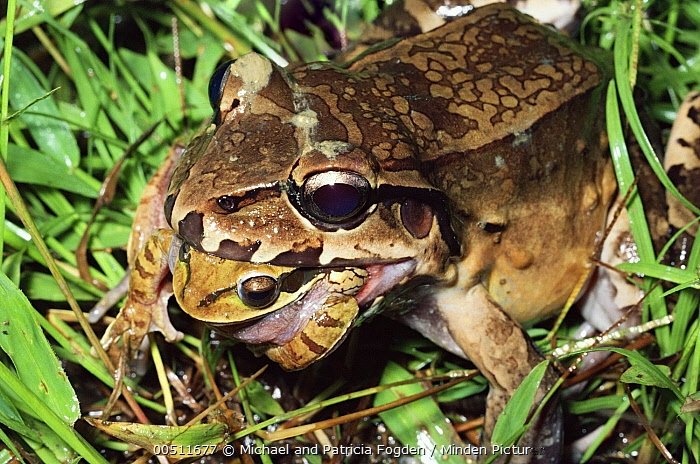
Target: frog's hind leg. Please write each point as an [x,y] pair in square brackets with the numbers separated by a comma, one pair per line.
[148,218]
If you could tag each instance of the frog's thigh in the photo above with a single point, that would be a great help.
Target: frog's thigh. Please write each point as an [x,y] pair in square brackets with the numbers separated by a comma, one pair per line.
[502,351]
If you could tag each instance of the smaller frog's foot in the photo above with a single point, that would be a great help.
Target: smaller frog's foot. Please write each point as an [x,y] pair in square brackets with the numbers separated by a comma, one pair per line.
[137,319]
[160,319]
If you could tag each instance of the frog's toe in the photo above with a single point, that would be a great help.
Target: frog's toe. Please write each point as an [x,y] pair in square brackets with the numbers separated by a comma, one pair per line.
[543,440]
[542,443]
[108,300]
[160,319]
[131,327]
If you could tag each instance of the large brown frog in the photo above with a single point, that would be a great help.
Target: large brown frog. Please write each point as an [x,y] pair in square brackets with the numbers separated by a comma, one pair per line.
[458,180]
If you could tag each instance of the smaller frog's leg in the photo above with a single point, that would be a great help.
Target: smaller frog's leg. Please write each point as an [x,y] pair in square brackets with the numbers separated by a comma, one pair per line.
[146,306]
[109,299]
[329,325]
[149,217]
[505,355]
[321,336]
[149,213]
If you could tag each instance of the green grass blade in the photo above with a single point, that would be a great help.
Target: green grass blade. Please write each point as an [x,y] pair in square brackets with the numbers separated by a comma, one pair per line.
[34,167]
[27,400]
[419,424]
[11,418]
[33,358]
[33,14]
[4,107]
[52,136]
[511,423]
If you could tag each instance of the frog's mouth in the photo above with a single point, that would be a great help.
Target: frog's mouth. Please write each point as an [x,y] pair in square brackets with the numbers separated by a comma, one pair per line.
[311,326]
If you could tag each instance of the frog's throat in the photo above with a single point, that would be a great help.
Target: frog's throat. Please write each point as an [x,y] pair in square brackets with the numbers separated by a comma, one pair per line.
[282,325]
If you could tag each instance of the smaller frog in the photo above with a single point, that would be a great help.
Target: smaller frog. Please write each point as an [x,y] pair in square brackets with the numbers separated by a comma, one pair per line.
[458,180]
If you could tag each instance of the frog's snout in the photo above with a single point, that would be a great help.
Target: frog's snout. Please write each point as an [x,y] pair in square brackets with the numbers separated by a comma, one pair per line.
[258,290]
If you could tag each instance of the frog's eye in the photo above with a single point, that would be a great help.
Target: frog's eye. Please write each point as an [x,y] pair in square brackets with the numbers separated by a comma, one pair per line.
[334,196]
[217,83]
[258,291]
[417,217]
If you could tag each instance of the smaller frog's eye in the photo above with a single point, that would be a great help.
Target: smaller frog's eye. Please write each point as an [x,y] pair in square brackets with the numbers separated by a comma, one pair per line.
[258,291]
[335,196]
[216,84]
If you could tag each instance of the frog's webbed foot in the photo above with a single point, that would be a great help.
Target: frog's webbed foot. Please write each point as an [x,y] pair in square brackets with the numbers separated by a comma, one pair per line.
[543,441]
[136,320]
[504,353]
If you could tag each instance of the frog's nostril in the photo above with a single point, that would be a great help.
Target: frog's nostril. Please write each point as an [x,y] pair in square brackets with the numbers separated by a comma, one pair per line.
[258,291]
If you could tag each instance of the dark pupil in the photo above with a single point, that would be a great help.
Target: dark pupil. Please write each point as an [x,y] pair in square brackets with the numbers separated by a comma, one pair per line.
[227,203]
[337,200]
[260,296]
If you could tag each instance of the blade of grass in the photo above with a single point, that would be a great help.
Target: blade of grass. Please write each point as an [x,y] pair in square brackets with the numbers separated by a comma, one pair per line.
[52,136]
[34,361]
[23,213]
[33,14]
[419,424]
[5,103]
[29,398]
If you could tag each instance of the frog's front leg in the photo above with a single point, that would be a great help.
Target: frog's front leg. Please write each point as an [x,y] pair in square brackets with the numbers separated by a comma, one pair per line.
[505,355]
[146,306]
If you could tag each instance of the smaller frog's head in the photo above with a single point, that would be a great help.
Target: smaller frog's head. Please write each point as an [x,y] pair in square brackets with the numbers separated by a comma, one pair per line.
[295,316]
[295,213]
